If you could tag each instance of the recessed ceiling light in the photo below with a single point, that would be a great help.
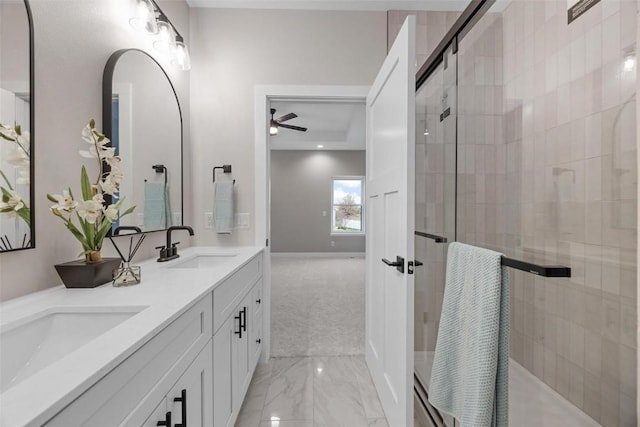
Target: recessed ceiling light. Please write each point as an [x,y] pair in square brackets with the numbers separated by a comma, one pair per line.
[320,146]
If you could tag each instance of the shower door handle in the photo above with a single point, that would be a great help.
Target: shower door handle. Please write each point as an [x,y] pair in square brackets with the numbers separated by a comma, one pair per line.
[398,264]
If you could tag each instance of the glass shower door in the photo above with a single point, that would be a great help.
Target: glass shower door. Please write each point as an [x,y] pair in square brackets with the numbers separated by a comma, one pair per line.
[436,111]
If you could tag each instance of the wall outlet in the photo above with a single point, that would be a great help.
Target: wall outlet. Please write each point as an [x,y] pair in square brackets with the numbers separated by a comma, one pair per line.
[241,220]
[324,213]
[208,220]
[333,244]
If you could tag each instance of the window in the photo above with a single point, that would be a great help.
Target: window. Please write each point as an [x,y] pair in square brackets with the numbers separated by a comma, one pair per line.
[347,213]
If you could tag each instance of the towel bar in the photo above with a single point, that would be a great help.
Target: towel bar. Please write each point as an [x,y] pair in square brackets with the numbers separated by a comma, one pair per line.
[225,169]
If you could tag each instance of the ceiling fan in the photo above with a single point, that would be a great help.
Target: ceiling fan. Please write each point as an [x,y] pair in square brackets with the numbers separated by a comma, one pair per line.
[277,123]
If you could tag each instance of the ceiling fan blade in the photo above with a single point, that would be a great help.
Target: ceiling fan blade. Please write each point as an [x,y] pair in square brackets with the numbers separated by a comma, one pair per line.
[286,117]
[280,125]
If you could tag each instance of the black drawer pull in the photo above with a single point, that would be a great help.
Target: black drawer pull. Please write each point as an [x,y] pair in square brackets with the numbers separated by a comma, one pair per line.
[183,400]
[259,300]
[167,420]
[258,340]
[239,319]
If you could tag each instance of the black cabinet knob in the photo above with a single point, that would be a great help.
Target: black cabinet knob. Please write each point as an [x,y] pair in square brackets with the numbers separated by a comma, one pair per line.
[259,300]
[258,340]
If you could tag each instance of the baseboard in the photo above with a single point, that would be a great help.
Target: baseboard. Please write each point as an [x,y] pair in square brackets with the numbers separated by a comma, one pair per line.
[317,254]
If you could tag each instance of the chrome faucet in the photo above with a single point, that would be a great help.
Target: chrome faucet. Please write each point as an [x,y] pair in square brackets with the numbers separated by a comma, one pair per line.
[170,251]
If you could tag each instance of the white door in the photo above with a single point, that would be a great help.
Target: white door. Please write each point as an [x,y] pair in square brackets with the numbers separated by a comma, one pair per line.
[390,228]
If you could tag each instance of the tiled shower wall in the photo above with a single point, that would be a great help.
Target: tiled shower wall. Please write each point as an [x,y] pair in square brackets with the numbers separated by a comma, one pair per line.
[547,173]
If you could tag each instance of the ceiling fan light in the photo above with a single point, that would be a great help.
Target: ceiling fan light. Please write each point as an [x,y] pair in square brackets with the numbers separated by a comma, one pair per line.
[273,130]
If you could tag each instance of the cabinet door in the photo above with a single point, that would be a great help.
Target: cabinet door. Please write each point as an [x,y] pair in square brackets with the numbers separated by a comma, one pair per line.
[190,400]
[223,349]
[255,340]
[241,353]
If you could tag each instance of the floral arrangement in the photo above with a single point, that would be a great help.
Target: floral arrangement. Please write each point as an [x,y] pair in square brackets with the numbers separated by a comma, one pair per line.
[94,218]
[19,157]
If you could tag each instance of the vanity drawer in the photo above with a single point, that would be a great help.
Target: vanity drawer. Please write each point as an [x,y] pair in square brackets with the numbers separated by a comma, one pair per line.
[230,292]
[133,388]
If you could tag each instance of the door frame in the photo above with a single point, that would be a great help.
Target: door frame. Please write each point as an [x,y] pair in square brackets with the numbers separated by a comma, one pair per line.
[263,95]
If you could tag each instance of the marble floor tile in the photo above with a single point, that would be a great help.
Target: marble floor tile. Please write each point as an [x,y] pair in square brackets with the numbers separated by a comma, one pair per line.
[317,306]
[290,392]
[312,391]
[292,423]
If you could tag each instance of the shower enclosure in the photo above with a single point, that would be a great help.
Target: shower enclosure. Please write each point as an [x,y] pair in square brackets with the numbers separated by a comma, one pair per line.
[526,144]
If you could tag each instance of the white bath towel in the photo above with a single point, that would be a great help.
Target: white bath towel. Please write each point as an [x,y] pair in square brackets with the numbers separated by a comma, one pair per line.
[470,374]
[223,206]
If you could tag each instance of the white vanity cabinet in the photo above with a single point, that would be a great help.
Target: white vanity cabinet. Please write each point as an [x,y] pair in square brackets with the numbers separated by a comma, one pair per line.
[138,386]
[233,341]
[193,372]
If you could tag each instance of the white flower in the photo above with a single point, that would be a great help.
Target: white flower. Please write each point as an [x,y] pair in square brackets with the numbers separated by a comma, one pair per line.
[65,202]
[24,176]
[89,210]
[92,136]
[17,157]
[108,186]
[111,213]
[92,153]
[98,198]
[116,176]
[13,204]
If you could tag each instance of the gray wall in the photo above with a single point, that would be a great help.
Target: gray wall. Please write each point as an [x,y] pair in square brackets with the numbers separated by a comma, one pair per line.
[300,191]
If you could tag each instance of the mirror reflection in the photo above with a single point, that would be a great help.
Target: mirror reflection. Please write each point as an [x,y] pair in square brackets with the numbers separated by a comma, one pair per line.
[16,195]
[142,117]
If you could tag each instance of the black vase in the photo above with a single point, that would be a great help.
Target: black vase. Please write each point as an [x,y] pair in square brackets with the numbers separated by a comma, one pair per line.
[80,274]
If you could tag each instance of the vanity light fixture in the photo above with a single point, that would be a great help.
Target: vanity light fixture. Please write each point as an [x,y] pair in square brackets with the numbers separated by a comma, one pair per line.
[166,39]
[144,17]
[148,17]
[182,60]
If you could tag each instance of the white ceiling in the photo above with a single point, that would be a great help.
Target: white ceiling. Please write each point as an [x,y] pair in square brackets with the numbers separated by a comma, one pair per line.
[337,125]
[440,5]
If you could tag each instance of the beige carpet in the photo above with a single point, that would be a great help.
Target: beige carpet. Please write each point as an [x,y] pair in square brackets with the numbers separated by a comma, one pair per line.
[317,306]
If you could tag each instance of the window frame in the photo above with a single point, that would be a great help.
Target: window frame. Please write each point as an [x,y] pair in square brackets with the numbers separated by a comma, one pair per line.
[332,231]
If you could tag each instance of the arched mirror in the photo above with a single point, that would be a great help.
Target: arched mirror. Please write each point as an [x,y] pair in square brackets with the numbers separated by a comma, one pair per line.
[17,229]
[142,118]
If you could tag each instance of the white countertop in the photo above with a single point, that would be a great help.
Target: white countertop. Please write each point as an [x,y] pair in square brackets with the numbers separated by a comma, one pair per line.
[167,292]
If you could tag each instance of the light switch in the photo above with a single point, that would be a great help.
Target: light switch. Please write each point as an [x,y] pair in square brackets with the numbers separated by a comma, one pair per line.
[324,213]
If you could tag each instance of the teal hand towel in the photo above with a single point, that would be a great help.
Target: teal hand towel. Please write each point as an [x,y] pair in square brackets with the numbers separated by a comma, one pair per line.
[470,373]
[223,206]
[156,206]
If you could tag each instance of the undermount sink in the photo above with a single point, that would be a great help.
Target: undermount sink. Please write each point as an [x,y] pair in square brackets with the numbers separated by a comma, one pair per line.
[204,261]
[30,345]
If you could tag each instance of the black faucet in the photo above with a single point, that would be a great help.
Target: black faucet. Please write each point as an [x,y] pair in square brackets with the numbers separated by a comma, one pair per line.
[169,252]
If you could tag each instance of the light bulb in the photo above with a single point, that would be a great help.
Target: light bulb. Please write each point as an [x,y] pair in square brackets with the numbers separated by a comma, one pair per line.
[273,130]
[320,146]
[144,17]
[426,132]
[166,41]
[182,60]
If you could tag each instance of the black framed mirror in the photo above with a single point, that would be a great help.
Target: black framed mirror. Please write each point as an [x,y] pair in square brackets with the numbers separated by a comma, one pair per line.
[17,200]
[141,115]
